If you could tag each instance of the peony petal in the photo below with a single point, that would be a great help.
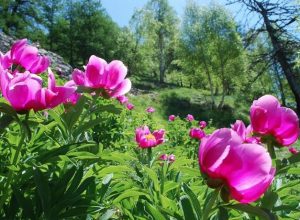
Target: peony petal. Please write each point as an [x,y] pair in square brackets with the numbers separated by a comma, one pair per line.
[79,77]
[242,172]
[116,72]
[94,71]
[122,88]
[289,131]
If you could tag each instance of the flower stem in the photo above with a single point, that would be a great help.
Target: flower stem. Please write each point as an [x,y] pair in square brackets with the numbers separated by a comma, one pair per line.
[149,153]
[15,161]
[271,150]
[209,205]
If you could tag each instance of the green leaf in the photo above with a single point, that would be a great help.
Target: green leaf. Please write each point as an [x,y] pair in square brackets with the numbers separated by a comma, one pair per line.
[269,200]
[223,213]
[62,184]
[86,126]
[108,214]
[252,210]
[60,122]
[129,194]
[105,185]
[194,200]
[75,181]
[25,203]
[294,170]
[74,212]
[73,113]
[82,155]
[43,190]
[63,150]
[108,108]
[153,177]
[187,208]
[7,109]
[209,203]
[154,212]
[294,159]
[5,121]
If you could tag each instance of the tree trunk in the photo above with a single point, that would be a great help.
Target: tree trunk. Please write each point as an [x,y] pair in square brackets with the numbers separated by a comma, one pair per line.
[280,86]
[221,104]
[281,56]
[161,56]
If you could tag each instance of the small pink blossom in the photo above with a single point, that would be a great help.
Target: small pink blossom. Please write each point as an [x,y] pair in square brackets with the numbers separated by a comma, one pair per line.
[172,117]
[245,133]
[146,139]
[150,110]
[73,99]
[122,99]
[99,74]
[190,117]
[245,170]
[163,157]
[202,124]
[129,106]
[197,133]
[268,118]
[171,158]
[24,91]
[26,56]
[293,150]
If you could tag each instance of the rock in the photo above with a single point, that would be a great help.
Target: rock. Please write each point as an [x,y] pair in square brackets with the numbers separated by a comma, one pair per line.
[57,62]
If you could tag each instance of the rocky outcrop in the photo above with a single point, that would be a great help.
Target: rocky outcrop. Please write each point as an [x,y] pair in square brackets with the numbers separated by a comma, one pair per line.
[57,62]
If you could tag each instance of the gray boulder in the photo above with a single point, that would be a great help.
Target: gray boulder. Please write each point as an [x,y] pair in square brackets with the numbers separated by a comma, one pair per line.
[58,64]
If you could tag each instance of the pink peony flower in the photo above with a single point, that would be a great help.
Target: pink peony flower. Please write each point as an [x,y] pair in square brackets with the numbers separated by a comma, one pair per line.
[24,91]
[172,117]
[243,170]
[129,106]
[293,150]
[150,110]
[146,139]
[26,56]
[122,99]
[163,157]
[245,133]
[268,118]
[202,124]
[197,133]
[75,96]
[171,158]
[189,117]
[100,75]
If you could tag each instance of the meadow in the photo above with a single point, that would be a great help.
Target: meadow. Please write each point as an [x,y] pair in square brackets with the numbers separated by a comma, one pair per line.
[88,149]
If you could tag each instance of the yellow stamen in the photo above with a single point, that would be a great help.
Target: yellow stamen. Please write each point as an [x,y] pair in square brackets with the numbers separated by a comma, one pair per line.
[150,137]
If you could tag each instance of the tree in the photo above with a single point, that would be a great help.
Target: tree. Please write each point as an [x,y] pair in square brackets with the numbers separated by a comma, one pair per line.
[211,43]
[277,19]
[155,28]
[19,17]
[83,28]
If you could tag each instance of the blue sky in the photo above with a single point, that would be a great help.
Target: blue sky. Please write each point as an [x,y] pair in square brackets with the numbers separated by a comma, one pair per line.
[122,10]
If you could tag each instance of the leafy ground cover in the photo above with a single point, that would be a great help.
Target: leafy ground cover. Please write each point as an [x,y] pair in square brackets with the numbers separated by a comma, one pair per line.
[75,152]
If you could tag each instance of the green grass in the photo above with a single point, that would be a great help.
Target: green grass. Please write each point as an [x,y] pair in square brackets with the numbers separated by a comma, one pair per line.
[183,101]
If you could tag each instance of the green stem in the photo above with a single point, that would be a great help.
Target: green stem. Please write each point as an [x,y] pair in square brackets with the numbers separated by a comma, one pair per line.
[162,183]
[15,161]
[208,207]
[271,150]
[149,153]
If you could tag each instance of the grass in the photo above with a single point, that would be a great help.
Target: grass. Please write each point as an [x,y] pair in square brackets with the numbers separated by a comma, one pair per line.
[183,101]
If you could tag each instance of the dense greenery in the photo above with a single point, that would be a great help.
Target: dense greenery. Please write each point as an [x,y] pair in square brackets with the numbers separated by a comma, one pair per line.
[84,160]
[205,49]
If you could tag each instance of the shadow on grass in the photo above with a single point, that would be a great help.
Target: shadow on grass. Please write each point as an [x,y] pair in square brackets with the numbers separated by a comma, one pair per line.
[181,106]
